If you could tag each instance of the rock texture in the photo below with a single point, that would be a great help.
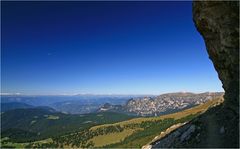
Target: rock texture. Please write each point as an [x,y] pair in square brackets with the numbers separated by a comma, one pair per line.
[218,23]
[175,138]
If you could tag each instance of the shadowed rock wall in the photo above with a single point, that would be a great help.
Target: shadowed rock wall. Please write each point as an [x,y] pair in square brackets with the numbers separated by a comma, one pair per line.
[218,23]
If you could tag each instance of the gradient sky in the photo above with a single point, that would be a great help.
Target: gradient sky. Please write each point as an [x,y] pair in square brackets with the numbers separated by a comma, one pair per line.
[102,48]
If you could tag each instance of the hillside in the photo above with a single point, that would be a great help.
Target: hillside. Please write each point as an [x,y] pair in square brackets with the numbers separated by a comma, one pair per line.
[131,133]
[24,125]
[209,125]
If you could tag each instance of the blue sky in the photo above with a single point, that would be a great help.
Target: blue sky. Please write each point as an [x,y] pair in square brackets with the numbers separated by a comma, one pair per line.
[102,48]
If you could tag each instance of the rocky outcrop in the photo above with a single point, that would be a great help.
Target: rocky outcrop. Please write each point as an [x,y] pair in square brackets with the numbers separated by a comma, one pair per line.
[218,23]
[175,138]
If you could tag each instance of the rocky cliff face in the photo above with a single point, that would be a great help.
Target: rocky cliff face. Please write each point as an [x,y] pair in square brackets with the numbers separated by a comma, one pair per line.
[218,23]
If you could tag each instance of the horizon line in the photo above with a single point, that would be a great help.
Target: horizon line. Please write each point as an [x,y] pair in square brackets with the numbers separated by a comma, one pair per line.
[105,94]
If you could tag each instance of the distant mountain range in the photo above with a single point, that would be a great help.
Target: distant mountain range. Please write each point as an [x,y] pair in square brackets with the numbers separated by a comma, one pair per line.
[75,107]
[163,104]
[77,104]
[45,100]
[132,105]
[14,105]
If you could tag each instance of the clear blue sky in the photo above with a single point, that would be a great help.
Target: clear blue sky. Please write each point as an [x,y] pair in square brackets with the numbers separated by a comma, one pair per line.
[103,47]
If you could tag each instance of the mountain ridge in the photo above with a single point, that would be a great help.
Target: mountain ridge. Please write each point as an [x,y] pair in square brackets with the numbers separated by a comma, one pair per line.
[162,104]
